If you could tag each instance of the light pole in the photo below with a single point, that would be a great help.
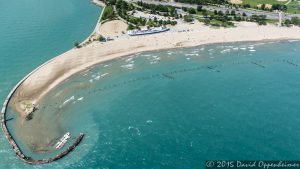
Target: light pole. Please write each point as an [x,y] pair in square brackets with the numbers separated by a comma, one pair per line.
[280,17]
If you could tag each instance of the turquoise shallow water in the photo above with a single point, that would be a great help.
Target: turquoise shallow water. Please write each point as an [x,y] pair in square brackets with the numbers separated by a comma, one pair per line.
[177,108]
[168,109]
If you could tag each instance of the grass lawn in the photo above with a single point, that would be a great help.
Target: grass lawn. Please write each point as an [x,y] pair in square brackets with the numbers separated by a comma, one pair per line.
[294,7]
[208,12]
[254,3]
[108,13]
[272,21]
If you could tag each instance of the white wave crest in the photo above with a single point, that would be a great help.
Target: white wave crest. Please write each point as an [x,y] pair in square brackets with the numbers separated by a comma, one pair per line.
[225,51]
[67,101]
[149,121]
[128,66]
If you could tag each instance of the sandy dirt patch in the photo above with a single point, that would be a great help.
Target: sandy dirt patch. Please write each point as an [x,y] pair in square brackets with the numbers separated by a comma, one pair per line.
[267,6]
[113,28]
[236,1]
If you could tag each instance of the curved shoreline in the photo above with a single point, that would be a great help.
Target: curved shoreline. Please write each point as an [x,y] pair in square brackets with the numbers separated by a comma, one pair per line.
[64,66]
[8,136]
[50,74]
[98,24]
[12,142]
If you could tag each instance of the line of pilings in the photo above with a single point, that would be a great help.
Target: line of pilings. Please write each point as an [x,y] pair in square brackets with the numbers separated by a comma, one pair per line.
[32,161]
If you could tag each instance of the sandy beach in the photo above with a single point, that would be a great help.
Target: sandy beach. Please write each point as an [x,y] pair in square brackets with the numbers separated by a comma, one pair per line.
[47,77]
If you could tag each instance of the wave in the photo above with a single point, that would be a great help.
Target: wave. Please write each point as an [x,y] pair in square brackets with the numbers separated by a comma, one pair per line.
[225,51]
[129,59]
[67,101]
[192,54]
[138,132]
[101,76]
[128,66]
[294,40]
[146,55]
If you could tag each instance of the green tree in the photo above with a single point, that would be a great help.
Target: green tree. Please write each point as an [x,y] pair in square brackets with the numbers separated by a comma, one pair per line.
[295,21]
[287,22]
[188,18]
[246,6]
[279,7]
[227,12]
[263,6]
[220,13]
[232,13]
[101,38]
[130,27]
[108,13]
[199,8]
[191,11]
[206,21]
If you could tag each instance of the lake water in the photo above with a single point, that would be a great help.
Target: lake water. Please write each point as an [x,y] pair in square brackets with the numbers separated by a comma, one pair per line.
[164,109]
[32,32]
[178,108]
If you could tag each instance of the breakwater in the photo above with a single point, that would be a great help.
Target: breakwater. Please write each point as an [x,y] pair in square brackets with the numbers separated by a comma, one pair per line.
[9,136]
[12,141]
[16,147]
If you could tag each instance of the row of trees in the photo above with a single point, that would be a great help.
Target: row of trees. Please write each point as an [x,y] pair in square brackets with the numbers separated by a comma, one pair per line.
[110,2]
[123,9]
[158,9]
[153,7]
[204,12]
[279,7]
[293,21]
[274,7]
[218,18]
[227,17]
[260,19]
[263,7]
[155,22]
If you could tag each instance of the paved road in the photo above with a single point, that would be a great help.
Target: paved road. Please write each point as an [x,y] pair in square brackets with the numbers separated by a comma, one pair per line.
[248,12]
